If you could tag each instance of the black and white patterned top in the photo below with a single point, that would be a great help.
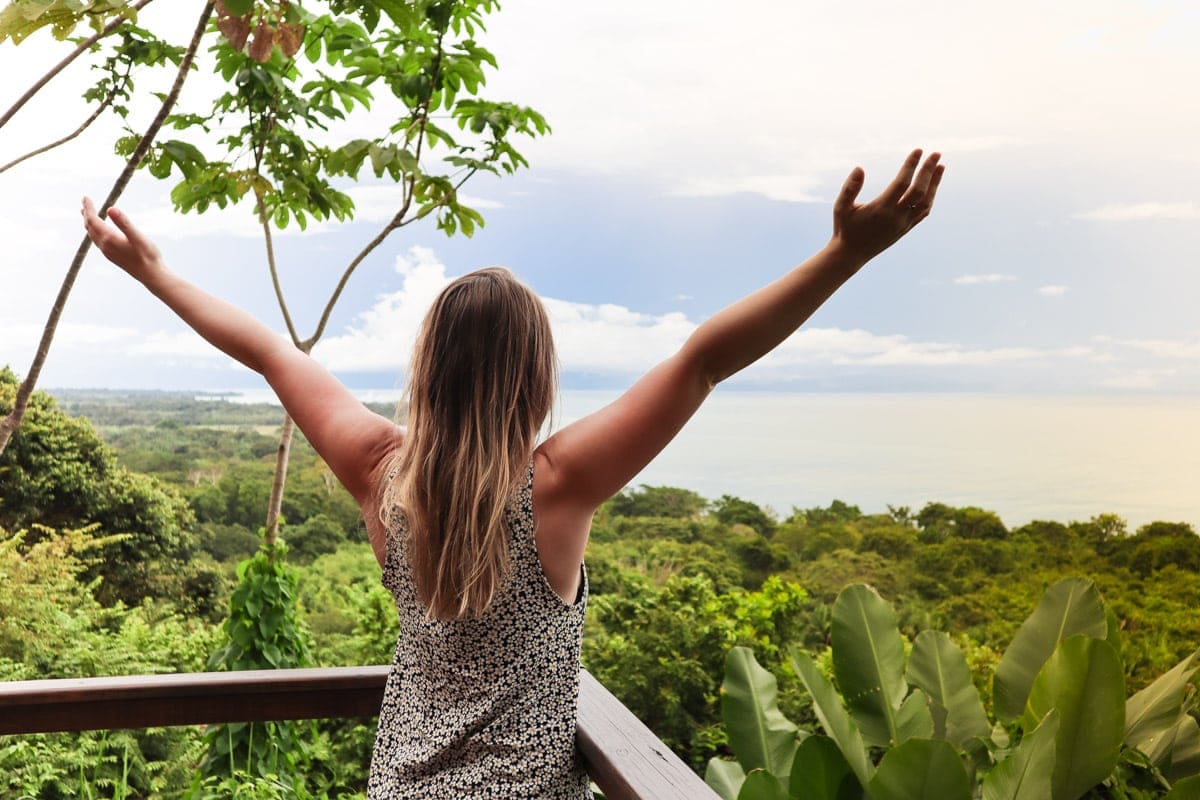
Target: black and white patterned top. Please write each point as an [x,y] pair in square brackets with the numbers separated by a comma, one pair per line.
[483,707]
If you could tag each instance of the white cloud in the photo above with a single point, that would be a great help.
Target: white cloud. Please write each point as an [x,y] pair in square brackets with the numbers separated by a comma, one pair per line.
[382,337]
[1177,349]
[615,340]
[1053,290]
[1128,212]
[1138,379]
[786,188]
[993,277]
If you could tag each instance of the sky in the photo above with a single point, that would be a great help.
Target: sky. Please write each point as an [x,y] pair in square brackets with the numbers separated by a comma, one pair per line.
[695,152]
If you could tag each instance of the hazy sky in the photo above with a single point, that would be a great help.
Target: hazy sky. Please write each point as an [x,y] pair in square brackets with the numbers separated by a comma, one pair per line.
[696,149]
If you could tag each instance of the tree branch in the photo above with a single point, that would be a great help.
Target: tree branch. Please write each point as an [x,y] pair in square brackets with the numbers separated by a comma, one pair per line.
[269,240]
[61,65]
[9,424]
[397,221]
[45,148]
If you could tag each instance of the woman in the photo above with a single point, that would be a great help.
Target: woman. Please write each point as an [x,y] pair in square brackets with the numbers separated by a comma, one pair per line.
[479,529]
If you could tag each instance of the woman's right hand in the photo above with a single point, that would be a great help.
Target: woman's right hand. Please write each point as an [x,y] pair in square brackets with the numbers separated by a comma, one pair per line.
[865,230]
[122,243]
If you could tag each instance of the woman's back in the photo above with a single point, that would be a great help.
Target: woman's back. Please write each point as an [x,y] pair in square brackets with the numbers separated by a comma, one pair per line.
[483,706]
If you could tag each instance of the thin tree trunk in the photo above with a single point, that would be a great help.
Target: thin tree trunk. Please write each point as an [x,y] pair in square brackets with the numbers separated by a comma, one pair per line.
[271,534]
[66,62]
[9,424]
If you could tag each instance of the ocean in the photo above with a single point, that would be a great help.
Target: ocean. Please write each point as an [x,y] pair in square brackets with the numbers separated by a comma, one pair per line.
[1025,457]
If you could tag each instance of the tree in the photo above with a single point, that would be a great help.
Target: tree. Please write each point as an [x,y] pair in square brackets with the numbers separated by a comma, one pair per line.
[657,501]
[65,15]
[58,472]
[736,511]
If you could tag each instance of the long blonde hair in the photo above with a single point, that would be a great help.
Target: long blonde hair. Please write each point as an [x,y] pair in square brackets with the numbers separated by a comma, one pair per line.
[482,383]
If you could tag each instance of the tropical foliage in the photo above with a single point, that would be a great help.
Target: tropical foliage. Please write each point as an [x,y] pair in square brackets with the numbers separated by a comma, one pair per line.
[901,721]
[677,584]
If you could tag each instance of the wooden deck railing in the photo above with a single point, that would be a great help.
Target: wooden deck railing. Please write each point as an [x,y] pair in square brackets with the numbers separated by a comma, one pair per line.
[625,759]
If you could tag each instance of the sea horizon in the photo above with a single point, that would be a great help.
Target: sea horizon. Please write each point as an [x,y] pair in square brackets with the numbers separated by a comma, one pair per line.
[1062,457]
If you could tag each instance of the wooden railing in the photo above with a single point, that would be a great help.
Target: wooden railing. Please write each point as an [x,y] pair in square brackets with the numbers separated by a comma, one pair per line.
[624,758]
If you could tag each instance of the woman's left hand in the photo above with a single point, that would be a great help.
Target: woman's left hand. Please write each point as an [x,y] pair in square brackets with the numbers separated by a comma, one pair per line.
[866,230]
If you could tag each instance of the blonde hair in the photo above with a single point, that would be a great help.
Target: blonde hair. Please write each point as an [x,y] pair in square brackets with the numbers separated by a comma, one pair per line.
[482,383]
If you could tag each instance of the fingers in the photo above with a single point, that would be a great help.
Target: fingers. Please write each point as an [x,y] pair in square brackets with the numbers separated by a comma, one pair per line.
[850,190]
[933,184]
[904,177]
[917,195]
[131,232]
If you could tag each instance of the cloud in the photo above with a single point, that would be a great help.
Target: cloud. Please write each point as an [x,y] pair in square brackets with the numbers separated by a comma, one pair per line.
[1053,290]
[1138,379]
[609,339]
[1129,212]
[785,188]
[1175,349]
[993,277]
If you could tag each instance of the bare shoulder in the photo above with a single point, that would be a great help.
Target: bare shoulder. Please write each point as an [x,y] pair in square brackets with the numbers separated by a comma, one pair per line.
[561,524]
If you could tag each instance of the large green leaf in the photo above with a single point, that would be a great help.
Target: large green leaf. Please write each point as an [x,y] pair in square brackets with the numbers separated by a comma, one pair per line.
[921,769]
[1186,789]
[938,668]
[1154,711]
[868,660]
[761,785]
[820,772]
[725,777]
[1069,607]
[1185,749]
[1085,683]
[1028,771]
[761,737]
[914,719]
[833,717]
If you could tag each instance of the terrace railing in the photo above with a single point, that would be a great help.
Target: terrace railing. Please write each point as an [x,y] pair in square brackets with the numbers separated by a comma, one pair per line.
[623,757]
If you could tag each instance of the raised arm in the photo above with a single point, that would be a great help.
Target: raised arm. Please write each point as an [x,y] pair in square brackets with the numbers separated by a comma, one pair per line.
[592,459]
[349,437]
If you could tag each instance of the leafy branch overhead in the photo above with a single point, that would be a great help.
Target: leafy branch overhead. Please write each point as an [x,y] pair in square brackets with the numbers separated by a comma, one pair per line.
[20,18]
[294,77]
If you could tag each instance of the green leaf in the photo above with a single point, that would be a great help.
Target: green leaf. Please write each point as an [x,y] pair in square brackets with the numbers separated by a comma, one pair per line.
[913,719]
[1186,789]
[1155,710]
[1085,683]
[1028,771]
[819,772]
[725,777]
[937,667]
[1185,749]
[921,769]
[868,661]
[833,716]
[239,8]
[761,785]
[1069,607]
[271,653]
[761,737]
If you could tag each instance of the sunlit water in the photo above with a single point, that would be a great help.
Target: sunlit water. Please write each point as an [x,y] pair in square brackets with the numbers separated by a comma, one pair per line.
[1025,457]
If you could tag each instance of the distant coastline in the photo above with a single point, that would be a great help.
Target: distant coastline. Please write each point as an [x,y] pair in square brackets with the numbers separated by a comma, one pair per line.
[1024,457]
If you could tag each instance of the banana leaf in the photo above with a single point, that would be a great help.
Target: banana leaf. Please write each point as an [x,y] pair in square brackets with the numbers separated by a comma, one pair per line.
[1084,682]
[938,668]
[1071,606]
[868,661]
[1028,771]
